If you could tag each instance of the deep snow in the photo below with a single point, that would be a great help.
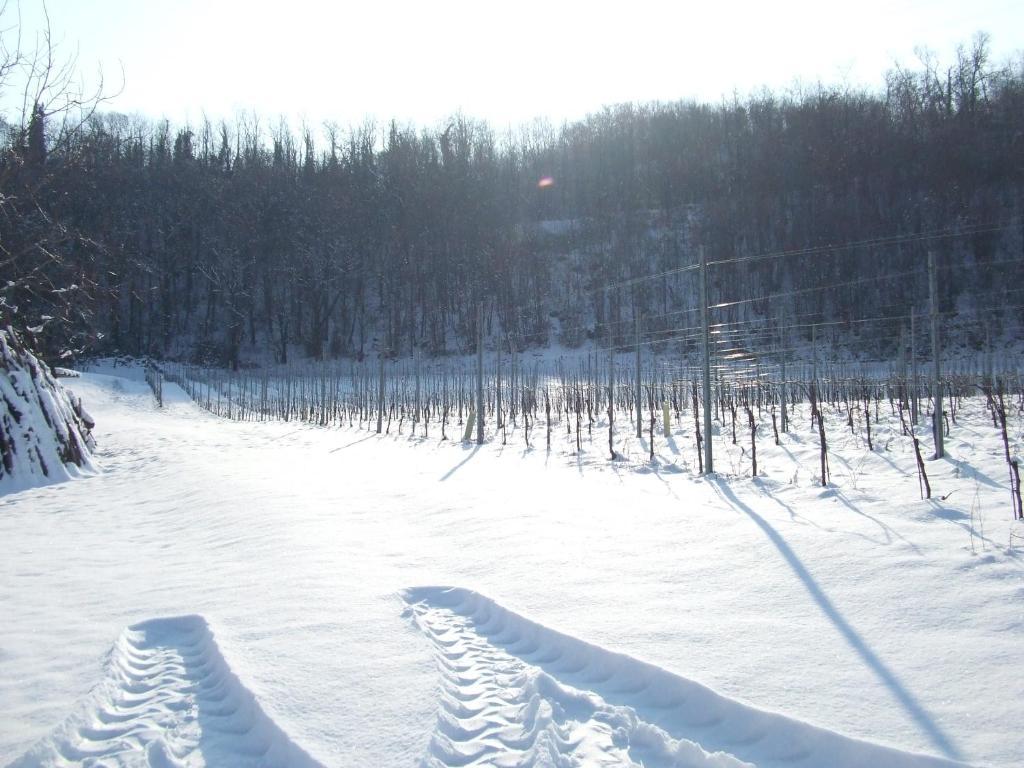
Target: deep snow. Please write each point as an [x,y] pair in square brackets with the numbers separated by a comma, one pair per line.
[857,608]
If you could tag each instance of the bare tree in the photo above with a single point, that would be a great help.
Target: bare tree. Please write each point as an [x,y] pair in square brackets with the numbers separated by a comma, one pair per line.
[44,296]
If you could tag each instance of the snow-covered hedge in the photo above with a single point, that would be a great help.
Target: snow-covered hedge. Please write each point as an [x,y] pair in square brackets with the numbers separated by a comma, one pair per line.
[44,431]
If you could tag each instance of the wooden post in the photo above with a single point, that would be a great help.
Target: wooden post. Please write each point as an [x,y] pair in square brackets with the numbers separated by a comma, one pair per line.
[814,351]
[902,371]
[989,363]
[611,375]
[782,384]
[937,427]
[416,410]
[639,419]
[380,395]
[499,423]
[704,315]
[480,373]
[914,403]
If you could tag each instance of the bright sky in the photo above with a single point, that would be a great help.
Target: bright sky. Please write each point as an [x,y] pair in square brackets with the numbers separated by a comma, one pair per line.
[506,62]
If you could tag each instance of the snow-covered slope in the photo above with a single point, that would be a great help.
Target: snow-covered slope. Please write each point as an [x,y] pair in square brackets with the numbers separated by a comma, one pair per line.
[44,430]
[857,609]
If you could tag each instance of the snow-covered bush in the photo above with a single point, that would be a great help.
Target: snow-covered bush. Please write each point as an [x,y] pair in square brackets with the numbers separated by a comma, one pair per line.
[44,431]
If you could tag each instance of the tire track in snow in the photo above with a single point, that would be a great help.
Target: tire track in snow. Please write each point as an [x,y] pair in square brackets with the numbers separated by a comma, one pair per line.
[497,708]
[168,698]
[515,693]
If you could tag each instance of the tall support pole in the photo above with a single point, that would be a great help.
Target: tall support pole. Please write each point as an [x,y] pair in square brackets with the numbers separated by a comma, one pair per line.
[902,361]
[611,374]
[814,352]
[990,375]
[639,399]
[380,395]
[913,367]
[933,289]
[480,373]
[782,384]
[704,316]
[416,410]
[498,391]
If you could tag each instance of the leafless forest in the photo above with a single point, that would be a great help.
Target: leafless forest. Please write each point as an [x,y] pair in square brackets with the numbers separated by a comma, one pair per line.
[233,244]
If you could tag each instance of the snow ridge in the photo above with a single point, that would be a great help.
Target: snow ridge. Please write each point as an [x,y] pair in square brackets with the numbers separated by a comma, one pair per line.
[515,693]
[168,699]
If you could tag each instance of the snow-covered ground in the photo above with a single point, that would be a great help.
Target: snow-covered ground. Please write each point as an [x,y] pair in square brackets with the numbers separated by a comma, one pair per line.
[239,593]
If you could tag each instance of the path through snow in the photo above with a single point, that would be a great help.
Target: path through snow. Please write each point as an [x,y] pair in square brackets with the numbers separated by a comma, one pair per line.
[168,699]
[515,693]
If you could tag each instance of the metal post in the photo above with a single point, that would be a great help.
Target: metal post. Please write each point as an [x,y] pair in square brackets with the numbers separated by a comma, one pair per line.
[380,396]
[933,285]
[639,417]
[708,464]
[480,373]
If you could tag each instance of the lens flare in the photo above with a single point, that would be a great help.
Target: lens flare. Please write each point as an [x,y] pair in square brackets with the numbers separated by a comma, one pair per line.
[546,181]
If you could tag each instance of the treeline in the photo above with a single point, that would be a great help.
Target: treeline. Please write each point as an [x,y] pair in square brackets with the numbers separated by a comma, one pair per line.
[223,242]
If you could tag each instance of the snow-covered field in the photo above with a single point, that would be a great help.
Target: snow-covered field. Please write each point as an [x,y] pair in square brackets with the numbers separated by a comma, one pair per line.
[228,593]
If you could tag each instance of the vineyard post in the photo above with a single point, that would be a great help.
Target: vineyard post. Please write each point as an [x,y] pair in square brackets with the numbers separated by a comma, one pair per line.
[902,361]
[782,384]
[914,404]
[989,366]
[611,375]
[933,286]
[480,373]
[639,417]
[708,465]
[380,395]
[814,351]
[416,365]
[498,348]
